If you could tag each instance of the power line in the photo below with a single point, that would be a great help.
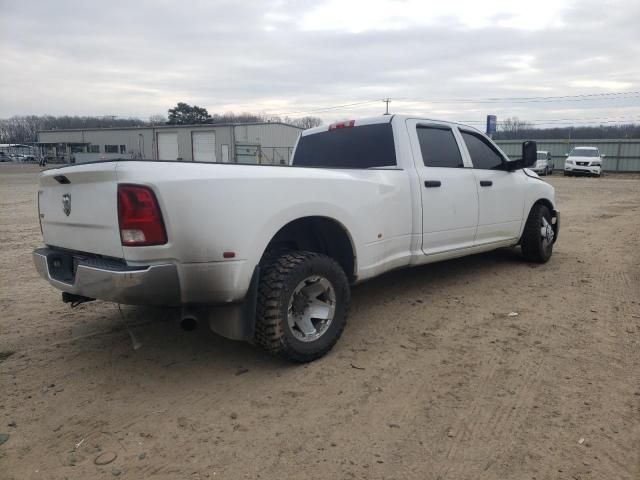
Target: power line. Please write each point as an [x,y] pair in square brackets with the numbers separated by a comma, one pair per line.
[623,117]
[562,98]
[325,109]
[559,123]
[489,100]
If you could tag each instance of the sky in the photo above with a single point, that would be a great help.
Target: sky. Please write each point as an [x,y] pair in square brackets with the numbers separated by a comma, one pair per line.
[335,59]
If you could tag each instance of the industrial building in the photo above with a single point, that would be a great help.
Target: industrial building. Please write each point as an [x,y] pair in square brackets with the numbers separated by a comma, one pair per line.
[270,143]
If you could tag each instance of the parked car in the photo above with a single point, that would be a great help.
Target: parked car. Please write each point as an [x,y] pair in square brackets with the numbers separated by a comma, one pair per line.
[544,163]
[20,157]
[268,253]
[4,157]
[584,161]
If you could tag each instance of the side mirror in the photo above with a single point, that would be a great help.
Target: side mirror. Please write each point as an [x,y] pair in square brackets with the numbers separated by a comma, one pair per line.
[529,153]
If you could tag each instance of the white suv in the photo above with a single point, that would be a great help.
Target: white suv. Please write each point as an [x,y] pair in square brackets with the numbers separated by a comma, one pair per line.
[583,161]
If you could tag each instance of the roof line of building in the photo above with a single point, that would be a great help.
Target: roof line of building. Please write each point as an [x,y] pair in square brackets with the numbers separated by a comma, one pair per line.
[147,127]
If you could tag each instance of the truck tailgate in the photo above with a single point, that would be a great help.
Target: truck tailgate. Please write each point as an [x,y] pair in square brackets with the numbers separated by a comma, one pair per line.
[79,208]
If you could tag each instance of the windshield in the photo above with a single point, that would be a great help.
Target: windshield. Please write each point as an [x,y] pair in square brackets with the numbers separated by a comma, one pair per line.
[542,155]
[583,152]
[368,146]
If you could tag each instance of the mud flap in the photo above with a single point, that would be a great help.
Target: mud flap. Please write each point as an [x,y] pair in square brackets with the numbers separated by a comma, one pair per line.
[237,321]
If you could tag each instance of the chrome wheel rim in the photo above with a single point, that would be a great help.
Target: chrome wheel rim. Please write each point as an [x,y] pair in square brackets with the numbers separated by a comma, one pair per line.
[547,233]
[311,309]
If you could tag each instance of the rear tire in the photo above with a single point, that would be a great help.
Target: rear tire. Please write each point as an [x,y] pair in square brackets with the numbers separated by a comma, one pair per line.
[538,236]
[303,302]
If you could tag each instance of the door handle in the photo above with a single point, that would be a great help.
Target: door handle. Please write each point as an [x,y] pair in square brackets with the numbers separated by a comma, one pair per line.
[432,183]
[486,183]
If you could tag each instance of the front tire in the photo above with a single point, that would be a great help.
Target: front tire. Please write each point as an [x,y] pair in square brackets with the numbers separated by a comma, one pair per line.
[303,301]
[538,236]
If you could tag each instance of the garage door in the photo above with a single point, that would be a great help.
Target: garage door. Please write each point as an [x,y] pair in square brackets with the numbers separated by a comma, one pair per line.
[204,146]
[167,146]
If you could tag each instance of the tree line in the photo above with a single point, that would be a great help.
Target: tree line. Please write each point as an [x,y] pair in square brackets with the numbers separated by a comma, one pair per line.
[185,114]
[515,129]
[24,128]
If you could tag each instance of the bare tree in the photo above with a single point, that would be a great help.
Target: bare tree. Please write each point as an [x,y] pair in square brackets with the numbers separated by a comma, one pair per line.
[157,119]
[305,122]
[513,127]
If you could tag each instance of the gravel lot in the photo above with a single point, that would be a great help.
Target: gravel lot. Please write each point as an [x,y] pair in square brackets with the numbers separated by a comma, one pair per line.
[432,379]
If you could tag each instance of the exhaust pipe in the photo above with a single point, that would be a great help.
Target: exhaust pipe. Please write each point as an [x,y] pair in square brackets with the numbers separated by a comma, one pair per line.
[188,320]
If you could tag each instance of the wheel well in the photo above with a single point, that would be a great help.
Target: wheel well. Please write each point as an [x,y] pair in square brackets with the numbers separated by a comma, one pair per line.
[316,234]
[545,202]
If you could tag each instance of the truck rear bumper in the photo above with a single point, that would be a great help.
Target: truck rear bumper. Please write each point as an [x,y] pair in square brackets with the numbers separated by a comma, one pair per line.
[115,281]
[109,280]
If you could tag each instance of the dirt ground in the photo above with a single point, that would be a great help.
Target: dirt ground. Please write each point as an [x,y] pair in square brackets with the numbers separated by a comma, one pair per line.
[432,379]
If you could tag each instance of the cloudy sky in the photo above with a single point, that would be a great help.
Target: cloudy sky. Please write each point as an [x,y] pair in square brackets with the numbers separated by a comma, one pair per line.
[457,60]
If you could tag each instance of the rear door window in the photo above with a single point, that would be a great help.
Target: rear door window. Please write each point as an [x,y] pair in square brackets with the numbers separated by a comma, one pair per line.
[483,155]
[367,146]
[439,147]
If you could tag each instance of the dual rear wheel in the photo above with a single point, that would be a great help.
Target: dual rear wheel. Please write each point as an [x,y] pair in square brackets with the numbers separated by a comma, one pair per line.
[303,301]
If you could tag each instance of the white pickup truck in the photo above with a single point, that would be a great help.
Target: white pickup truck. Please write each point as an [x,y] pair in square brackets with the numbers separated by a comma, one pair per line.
[268,253]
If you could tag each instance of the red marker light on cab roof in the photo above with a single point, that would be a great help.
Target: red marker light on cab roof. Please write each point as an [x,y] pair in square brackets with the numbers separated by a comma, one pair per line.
[139,217]
[345,124]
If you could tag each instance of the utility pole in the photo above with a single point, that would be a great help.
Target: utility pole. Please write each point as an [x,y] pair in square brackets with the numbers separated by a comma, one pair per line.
[387,101]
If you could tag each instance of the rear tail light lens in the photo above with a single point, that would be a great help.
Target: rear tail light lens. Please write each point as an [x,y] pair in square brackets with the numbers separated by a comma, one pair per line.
[139,217]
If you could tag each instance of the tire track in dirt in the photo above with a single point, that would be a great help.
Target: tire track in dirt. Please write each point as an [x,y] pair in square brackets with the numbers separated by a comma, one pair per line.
[495,420]
[618,307]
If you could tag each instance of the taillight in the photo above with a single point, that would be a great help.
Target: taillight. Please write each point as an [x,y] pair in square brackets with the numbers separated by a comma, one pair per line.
[338,125]
[139,217]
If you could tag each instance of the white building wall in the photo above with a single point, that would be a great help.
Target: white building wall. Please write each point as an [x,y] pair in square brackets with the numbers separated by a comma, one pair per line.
[267,134]
[276,140]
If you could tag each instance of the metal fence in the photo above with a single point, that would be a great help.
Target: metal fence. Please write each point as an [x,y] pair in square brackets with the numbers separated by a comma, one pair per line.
[275,155]
[621,155]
